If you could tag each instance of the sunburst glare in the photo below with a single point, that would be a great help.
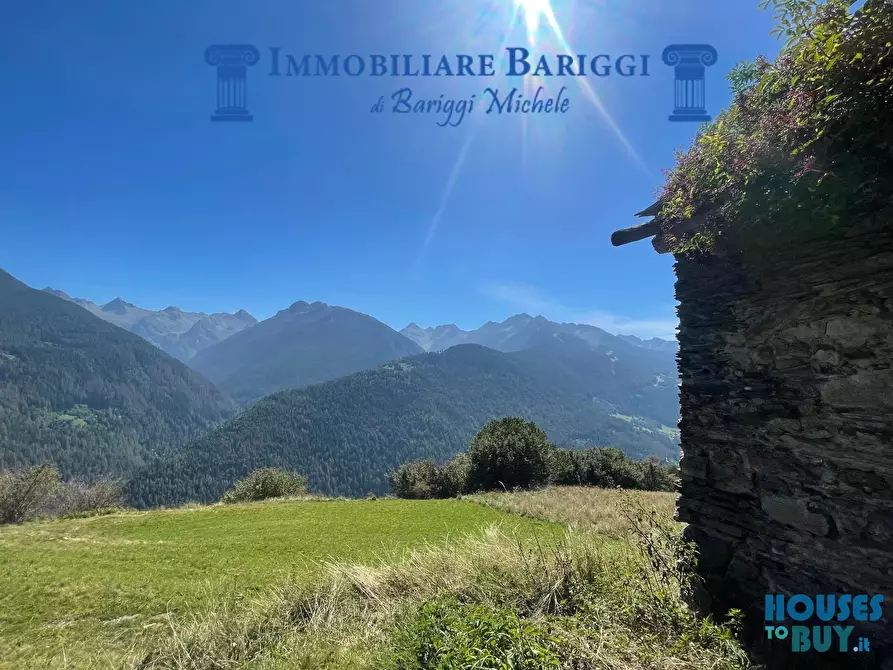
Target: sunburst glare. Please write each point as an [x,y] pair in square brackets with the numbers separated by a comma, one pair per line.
[490,28]
[533,11]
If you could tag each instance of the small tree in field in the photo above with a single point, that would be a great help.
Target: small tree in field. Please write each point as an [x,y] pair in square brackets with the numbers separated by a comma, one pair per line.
[22,494]
[509,453]
[266,483]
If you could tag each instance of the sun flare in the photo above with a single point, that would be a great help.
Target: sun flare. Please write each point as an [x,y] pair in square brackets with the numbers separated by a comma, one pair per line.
[545,35]
[534,11]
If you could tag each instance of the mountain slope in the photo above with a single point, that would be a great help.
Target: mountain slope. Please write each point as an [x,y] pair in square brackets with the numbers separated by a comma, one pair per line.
[180,334]
[302,345]
[87,395]
[347,433]
[520,331]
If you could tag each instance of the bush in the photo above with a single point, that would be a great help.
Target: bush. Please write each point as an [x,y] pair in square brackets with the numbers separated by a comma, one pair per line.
[266,483]
[509,453]
[608,467]
[446,634]
[656,476]
[78,498]
[22,494]
[426,479]
[453,477]
[512,453]
[566,468]
[416,480]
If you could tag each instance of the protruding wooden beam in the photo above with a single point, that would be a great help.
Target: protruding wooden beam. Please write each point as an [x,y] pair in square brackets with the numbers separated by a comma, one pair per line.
[635,233]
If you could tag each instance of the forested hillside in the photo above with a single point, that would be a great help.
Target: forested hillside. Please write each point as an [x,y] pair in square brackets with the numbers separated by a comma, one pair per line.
[299,346]
[345,435]
[87,395]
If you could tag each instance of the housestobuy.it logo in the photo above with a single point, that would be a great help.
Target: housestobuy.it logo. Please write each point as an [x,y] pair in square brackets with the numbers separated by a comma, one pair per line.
[689,60]
[834,611]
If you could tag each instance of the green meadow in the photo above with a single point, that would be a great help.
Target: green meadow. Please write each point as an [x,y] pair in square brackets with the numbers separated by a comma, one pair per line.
[98,588]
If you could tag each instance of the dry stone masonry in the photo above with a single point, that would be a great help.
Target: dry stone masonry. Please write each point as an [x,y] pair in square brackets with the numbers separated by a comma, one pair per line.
[787,427]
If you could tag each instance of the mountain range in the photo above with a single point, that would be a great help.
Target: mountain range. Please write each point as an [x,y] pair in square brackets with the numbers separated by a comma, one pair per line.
[325,389]
[310,343]
[521,332]
[181,334]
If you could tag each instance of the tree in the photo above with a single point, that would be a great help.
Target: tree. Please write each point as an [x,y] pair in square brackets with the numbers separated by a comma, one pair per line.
[509,453]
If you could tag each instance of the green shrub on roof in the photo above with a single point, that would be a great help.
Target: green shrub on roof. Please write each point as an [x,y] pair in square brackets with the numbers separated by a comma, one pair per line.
[808,139]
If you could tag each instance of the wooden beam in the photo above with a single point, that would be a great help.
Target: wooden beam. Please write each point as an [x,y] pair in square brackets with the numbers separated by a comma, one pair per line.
[635,233]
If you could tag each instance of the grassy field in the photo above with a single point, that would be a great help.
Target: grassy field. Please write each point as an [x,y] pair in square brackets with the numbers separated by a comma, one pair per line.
[81,593]
[565,577]
[607,593]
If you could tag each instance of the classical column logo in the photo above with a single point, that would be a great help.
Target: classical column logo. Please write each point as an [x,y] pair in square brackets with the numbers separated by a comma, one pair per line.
[232,61]
[690,96]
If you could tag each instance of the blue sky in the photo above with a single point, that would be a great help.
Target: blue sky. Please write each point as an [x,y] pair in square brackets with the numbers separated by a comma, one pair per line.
[116,183]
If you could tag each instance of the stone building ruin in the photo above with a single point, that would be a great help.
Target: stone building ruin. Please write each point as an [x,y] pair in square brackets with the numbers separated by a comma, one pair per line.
[786,422]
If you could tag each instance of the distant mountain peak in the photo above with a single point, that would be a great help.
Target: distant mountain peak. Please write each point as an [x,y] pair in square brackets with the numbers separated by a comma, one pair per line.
[301,345]
[172,308]
[117,305]
[242,314]
[413,326]
[299,307]
[302,307]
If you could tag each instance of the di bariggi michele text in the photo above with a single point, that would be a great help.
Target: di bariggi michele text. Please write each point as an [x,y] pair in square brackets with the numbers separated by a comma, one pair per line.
[451,112]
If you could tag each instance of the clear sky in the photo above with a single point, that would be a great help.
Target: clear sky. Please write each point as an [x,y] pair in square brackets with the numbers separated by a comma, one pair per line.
[115,182]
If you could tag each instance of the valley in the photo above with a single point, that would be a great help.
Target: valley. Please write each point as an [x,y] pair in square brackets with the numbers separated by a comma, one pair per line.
[328,391]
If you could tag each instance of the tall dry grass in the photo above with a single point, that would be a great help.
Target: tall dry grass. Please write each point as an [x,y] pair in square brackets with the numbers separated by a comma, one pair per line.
[584,507]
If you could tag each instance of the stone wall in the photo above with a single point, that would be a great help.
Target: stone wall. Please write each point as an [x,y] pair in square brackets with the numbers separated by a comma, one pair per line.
[787,429]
